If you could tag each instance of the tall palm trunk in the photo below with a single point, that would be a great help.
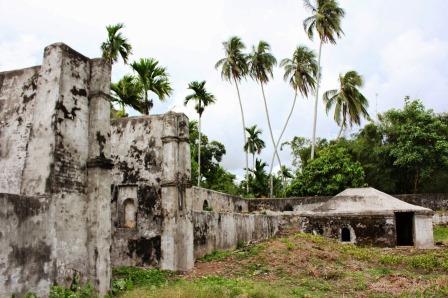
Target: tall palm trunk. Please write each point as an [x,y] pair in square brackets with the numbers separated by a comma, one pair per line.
[340,132]
[244,134]
[269,125]
[313,143]
[271,182]
[199,152]
[253,161]
[146,112]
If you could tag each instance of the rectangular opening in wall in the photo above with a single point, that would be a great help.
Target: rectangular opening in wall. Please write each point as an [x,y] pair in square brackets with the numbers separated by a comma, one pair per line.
[404,225]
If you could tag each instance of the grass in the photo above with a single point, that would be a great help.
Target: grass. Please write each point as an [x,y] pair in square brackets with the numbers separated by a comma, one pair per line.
[441,234]
[299,265]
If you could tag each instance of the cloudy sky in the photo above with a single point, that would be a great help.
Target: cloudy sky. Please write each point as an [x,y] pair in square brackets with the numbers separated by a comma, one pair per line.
[400,47]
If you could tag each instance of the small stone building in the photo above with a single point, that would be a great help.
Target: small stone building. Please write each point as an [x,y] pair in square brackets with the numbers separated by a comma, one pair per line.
[369,216]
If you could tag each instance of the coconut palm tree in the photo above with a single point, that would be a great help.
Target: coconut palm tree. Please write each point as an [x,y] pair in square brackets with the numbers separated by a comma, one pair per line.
[234,67]
[348,102]
[285,173]
[154,78]
[254,143]
[261,64]
[202,99]
[116,45]
[300,72]
[326,21]
[127,91]
[258,180]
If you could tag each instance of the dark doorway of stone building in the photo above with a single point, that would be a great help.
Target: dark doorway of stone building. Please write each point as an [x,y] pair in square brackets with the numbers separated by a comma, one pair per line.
[404,224]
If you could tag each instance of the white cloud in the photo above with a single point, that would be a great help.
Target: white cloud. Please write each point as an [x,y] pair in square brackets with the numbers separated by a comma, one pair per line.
[399,49]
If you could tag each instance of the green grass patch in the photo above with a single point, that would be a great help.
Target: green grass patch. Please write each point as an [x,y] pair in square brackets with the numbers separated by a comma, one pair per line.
[217,255]
[390,260]
[127,278]
[250,251]
[441,234]
[211,287]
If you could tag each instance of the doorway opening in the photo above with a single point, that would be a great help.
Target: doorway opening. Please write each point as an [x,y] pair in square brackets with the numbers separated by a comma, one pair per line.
[345,235]
[404,225]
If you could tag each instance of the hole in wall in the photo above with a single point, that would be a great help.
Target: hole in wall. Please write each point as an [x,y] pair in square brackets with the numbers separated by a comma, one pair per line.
[345,235]
[288,207]
[205,206]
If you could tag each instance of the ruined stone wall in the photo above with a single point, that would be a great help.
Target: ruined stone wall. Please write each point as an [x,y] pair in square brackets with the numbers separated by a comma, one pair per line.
[217,201]
[287,204]
[223,231]
[365,230]
[151,175]
[48,126]
[17,92]
[434,201]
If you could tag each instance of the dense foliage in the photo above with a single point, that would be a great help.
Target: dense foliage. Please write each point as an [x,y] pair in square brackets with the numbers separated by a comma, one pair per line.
[405,151]
[213,175]
[330,172]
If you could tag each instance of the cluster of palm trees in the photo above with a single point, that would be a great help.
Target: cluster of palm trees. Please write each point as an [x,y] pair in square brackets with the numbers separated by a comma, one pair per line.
[302,71]
[149,77]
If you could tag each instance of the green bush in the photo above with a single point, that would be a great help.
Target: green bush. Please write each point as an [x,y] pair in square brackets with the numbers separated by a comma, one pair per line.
[126,278]
[332,171]
[86,291]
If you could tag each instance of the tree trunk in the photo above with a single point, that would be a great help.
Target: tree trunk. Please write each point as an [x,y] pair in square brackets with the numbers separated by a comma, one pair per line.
[278,142]
[269,124]
[313,142]
[146,112]
[253,161]
[340,132]
[244,134]
[199,152]
[342,128]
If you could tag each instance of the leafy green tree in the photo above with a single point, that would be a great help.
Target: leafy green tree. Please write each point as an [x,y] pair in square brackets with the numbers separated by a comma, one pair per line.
[116,45]
[285,174]
[300,71]
[214,176]
[152,78]
[258,183]
[348,102]
[416,141]
[254,143]
[202,98]
[332,171]
[261,65]
[301,149]
[127,91]
[234,67]
[325,19]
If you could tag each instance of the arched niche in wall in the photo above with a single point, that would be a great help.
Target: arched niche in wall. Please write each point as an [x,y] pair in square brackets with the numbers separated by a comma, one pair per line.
[130,214]
[347,234]
[288,207]
[205,206]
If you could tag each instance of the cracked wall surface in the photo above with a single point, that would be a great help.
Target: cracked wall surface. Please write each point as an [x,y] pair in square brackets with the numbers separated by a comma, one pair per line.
[54,180]
[151,159]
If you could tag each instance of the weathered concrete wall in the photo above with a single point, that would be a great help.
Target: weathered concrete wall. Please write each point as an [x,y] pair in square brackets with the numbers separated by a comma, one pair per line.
[137,174]
[152,171]
[222,231]
[423,233]
[365,230]
[217,201]
[434,201]
[440,218]
[26,244]
[287,204]
[17,93]
[66,100]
